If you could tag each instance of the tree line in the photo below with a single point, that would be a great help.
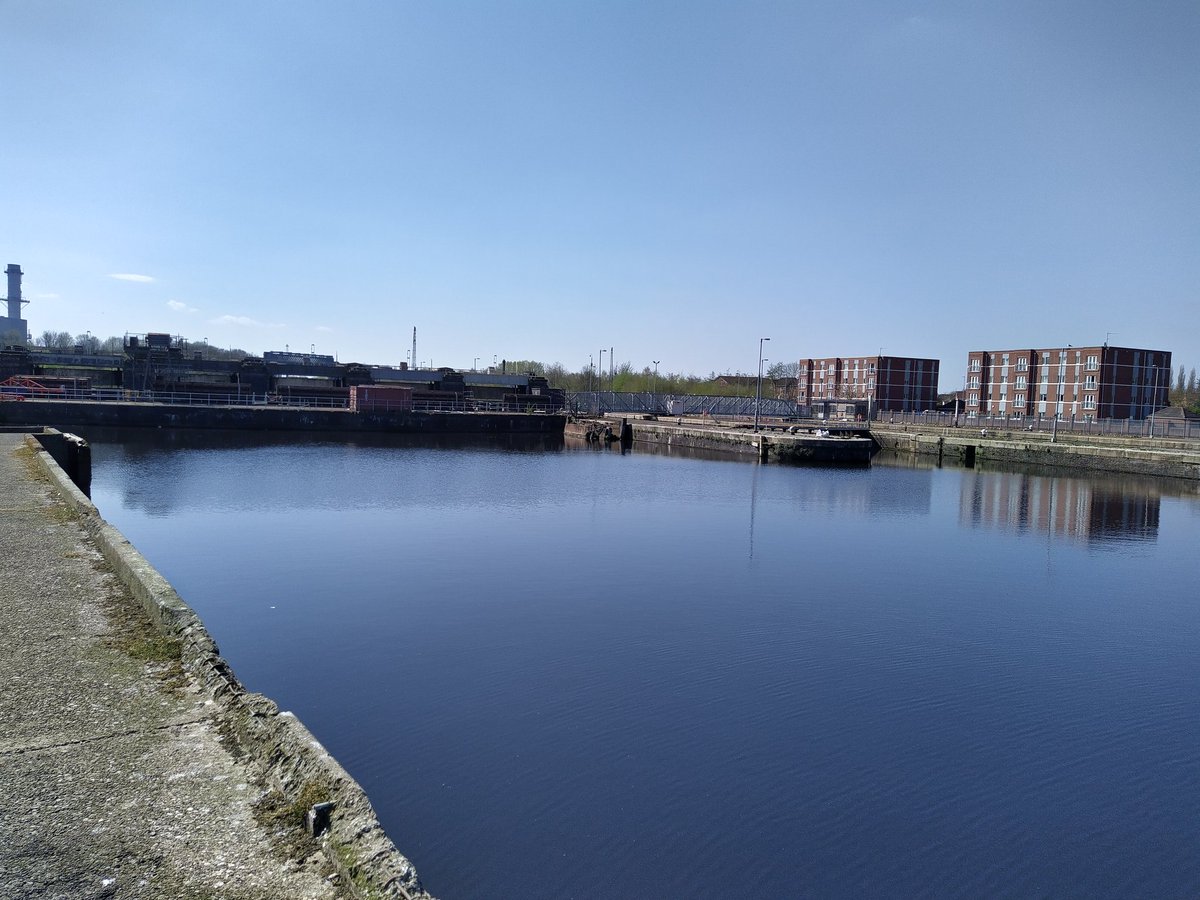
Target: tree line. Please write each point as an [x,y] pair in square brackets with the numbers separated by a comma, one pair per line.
[624,378]
[64,341]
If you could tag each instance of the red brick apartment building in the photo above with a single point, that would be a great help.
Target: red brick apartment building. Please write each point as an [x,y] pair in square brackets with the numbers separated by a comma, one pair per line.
[1083,383]
[891,383]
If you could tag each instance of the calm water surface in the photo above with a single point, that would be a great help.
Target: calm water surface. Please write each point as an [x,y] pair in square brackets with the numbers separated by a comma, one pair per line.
[581,674]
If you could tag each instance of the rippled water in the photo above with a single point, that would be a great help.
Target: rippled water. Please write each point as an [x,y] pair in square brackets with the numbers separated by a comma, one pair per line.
[581,674]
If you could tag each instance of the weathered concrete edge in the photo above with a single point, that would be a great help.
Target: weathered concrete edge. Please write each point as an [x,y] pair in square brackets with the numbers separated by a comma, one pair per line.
[1155,462]
[286,754]
[775,446]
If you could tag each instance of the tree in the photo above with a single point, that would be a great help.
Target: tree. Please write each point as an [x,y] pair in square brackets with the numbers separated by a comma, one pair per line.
[1179,382]
[1191,384]
[56,340]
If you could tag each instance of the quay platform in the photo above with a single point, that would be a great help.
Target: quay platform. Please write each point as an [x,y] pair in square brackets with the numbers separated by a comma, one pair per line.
[773,442]
[134,763]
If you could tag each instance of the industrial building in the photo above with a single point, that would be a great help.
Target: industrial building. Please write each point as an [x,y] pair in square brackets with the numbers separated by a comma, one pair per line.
[865,385]
[1077,383]
[14,330]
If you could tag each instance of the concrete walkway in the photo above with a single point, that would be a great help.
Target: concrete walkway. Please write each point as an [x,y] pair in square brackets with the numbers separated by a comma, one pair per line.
[114,781]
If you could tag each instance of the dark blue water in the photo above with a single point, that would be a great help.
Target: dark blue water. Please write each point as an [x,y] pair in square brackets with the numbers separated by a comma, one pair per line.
[581,674]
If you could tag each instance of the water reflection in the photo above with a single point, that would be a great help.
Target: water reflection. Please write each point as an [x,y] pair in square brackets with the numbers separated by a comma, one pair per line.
[1090,511]
[161,471]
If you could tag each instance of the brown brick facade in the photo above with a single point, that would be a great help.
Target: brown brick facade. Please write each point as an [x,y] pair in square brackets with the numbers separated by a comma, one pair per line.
[1079,383]
[891,383]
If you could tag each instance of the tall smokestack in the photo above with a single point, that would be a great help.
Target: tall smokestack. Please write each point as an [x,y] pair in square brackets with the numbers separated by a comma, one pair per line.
[414,356]
[14,290]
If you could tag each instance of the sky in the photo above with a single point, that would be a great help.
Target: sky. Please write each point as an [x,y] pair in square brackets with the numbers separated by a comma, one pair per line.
[666,181]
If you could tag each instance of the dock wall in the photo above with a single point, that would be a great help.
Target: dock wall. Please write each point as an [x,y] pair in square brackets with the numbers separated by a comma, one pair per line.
[767,446]
[1133,455]
[67,414]
[282,751]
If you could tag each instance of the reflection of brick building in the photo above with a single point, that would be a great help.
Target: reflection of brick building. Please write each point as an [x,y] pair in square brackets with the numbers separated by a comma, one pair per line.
[1071,507]
[891,383]
[1070,382]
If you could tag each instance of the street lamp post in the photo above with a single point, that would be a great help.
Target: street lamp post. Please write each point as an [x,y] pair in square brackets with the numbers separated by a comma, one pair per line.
[475,367]
[654,385]
[1154,398]
[599,380]
[758,389]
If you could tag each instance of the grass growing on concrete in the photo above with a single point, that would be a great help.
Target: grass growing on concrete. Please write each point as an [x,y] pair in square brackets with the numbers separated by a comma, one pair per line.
[285,822]
[57,510]
[134,635]
[351,865]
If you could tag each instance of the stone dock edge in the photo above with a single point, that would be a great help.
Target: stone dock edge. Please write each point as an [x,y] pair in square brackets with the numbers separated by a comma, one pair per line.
[277,746]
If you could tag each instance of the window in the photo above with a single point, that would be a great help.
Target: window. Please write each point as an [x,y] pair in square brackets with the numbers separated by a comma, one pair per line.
[1022,363]
[975,365]
[1020,382]
[1089,401]
[975,381]
[1093,363]
[1019,401]
[1090,383]
[974,400]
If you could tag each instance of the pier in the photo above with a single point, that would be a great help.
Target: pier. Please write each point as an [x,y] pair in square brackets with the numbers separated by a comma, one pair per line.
[773,442]
[134,762]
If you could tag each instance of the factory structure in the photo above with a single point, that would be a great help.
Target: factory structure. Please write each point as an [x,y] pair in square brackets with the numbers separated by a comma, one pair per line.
[165,367]
[14,330]
[161,367]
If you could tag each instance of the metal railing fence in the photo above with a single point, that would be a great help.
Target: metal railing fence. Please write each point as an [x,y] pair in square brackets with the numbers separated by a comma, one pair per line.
[1151,427]
[645,403]
[247,398]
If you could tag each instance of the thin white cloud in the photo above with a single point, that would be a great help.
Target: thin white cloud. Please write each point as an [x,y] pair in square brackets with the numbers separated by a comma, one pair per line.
[244,321]
[127,276]
[180,306]
[325,328]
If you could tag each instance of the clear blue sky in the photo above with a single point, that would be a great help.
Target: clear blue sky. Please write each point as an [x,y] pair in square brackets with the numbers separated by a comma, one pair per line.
[543,180]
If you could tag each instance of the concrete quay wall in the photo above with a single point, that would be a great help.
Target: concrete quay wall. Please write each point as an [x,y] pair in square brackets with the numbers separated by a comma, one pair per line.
[66,414]
[277,745]
[768,446]
[1132,455]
